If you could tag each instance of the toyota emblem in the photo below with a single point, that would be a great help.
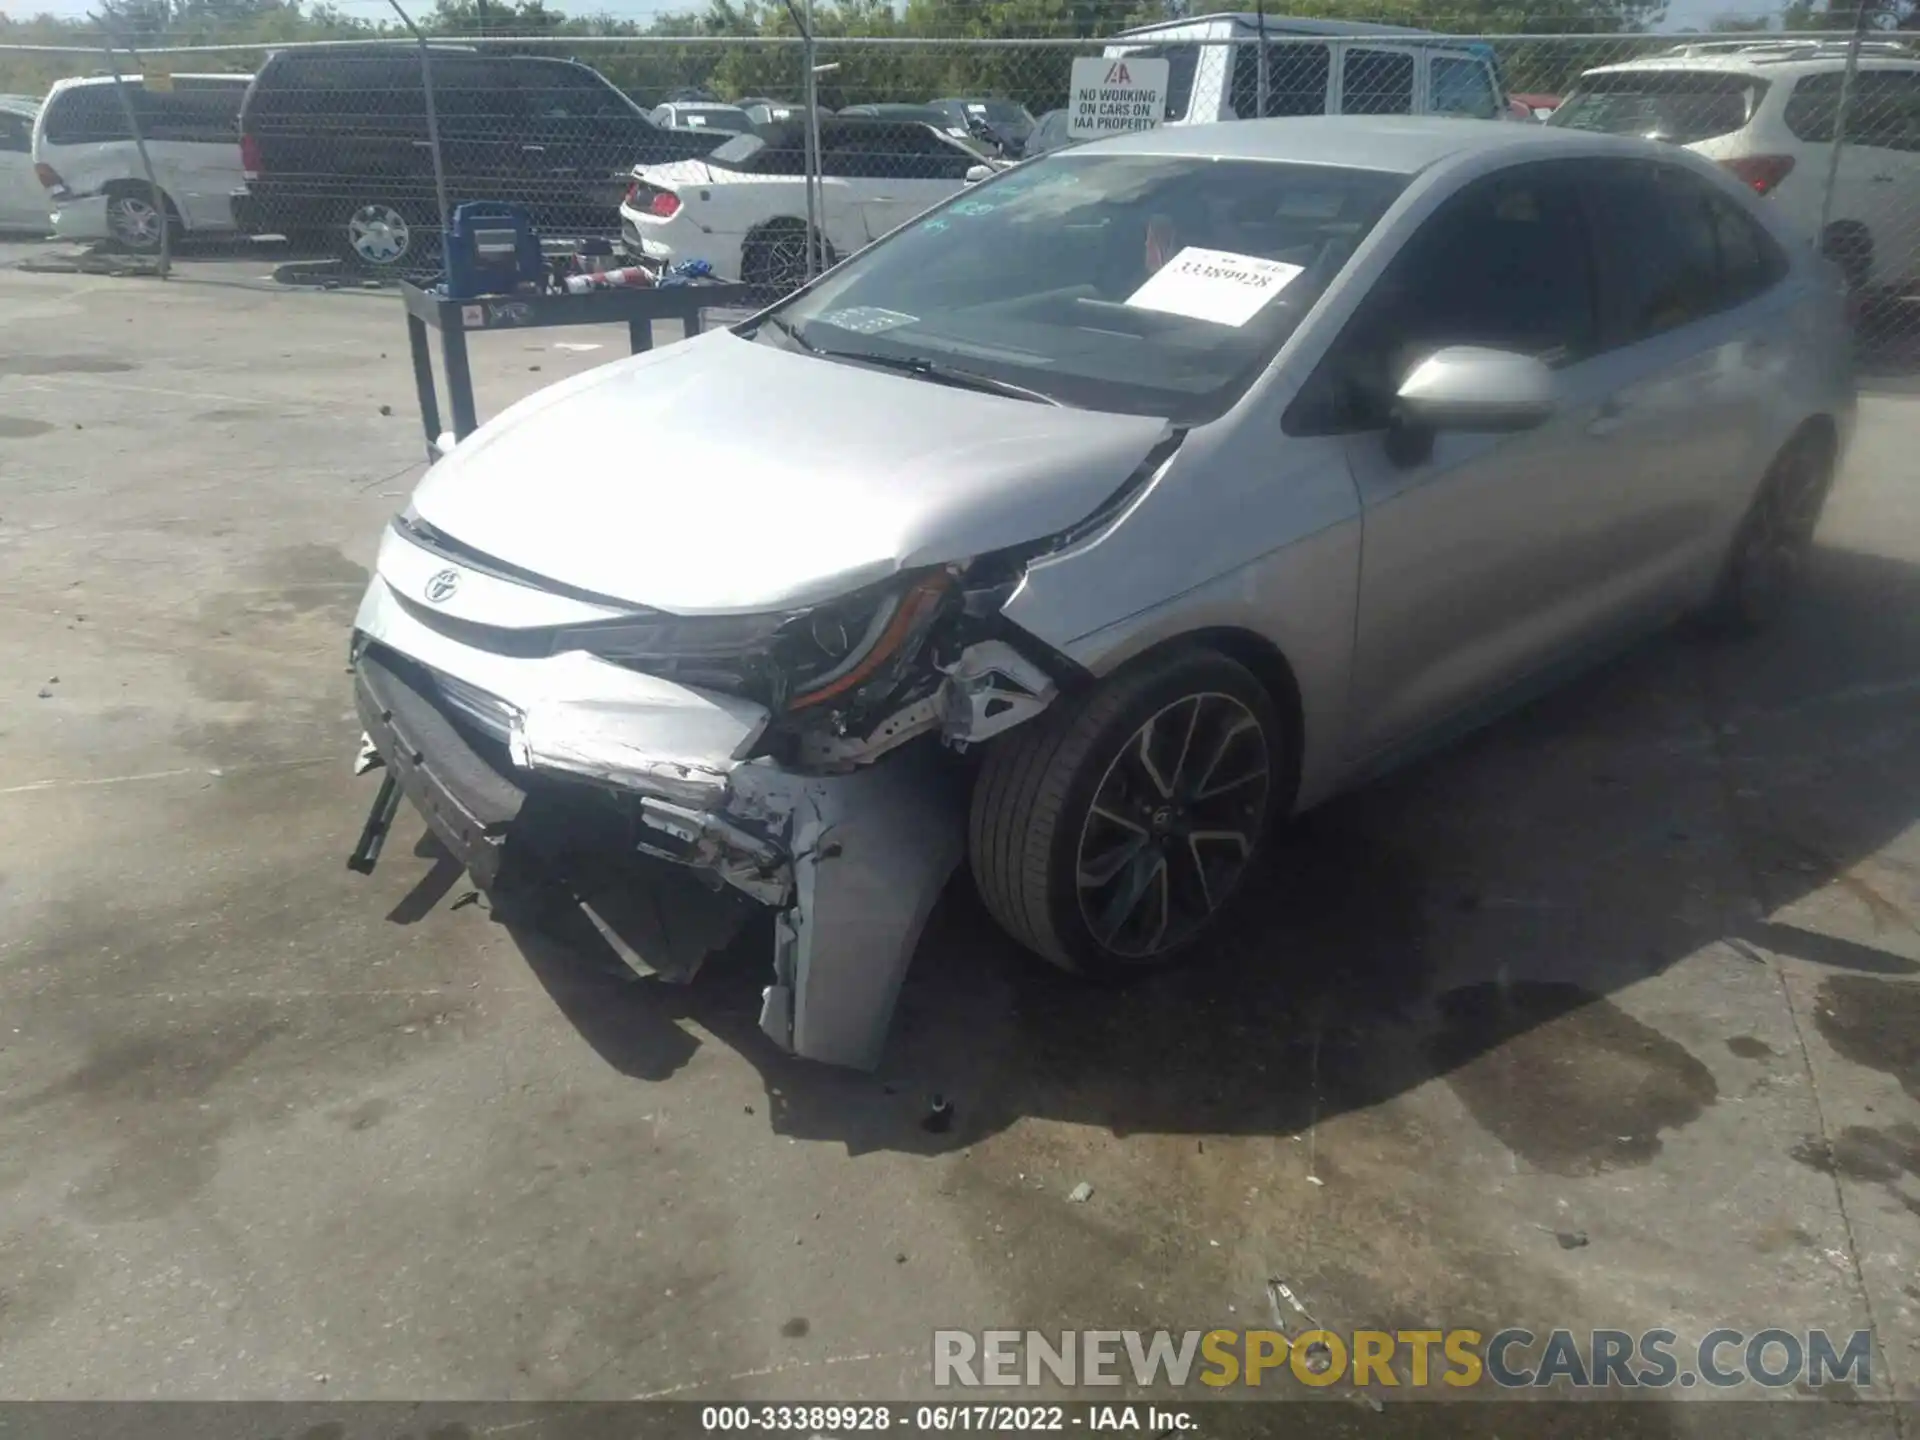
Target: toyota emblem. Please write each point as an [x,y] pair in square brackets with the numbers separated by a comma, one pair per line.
[441,587]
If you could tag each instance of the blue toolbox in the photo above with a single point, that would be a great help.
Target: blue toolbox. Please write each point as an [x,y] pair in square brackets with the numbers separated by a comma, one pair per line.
[492,249]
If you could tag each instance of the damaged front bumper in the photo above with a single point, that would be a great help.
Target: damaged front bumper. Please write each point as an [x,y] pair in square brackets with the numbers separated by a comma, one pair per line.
[851,855]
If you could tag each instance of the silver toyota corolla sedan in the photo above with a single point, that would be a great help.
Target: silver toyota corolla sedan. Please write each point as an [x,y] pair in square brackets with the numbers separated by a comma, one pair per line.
[1093,523]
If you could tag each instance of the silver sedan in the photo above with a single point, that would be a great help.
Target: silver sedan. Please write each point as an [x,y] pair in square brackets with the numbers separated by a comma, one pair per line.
[1096,521]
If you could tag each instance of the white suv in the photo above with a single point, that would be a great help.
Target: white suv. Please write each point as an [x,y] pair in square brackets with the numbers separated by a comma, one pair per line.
[1766,112]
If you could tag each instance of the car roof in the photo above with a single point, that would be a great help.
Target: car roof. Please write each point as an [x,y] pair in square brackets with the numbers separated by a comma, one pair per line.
[1281,24]
[1397,144]
[75,82]
[1763,58]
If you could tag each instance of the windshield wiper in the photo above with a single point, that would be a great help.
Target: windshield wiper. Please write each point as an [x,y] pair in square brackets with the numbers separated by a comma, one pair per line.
[791,331]
[943,374]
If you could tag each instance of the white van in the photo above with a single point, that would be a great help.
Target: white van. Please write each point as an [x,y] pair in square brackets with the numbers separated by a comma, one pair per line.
[84,153]
[1315,67]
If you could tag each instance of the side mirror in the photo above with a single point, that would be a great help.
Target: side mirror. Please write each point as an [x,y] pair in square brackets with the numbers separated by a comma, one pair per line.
[977,173]
[1471,388]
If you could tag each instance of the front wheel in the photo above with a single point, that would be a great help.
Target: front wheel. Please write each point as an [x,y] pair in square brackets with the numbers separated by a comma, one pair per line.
[1109,835]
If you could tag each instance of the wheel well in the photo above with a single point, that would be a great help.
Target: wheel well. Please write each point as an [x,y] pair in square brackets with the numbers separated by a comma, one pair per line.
[141,189]
[1263,659]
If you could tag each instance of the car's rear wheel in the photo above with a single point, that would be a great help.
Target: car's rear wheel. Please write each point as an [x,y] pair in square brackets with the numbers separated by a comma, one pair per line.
[1109,835]
[134,221]
[773,258]
[1770,549]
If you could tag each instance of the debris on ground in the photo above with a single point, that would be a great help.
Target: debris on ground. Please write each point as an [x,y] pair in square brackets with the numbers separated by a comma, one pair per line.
[939,1116]
[45,694]
[386,410]
[1571,1239]
[1080,1193]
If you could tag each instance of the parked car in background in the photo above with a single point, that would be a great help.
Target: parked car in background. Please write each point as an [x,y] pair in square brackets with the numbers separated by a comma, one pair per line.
[1005,124]
[743,208]
[1315,67]
[1049,134]
[89,164]
[701,115]
[334,143]
[1766,111]
[763,111]
[23,199]
[1183,480]
[1533,107]
[919,114]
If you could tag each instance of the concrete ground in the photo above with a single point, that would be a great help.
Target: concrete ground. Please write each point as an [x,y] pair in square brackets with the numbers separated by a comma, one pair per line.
[1608,1017]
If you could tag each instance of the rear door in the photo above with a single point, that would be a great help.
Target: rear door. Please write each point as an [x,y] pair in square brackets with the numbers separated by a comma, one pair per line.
[23,200]
[1691,318]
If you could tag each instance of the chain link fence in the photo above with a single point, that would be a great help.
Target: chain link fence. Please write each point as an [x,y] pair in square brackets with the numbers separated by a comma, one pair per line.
[703,147]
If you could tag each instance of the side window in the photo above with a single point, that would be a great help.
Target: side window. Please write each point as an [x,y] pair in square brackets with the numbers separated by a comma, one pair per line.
[1884,110]
[1504,263]
[201,113]
[16,133]
[1654,236]
[554,90]
[87,115]
[1463,86]
[473,94]
[1296,79]
[1183,61]
[1376,82]
[1750,261]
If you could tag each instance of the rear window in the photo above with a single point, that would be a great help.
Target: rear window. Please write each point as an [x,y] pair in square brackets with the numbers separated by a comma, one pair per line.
[1680,106]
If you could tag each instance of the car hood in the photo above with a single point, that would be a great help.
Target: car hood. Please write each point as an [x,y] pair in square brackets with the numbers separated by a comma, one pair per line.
[726,475]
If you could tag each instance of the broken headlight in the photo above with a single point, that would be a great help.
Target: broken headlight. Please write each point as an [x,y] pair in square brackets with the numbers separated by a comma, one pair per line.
[789,659]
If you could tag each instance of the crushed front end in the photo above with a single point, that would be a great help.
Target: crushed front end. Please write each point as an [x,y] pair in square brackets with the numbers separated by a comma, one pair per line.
[805,759]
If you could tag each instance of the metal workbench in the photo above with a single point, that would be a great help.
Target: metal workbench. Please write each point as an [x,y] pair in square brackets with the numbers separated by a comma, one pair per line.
[637,309]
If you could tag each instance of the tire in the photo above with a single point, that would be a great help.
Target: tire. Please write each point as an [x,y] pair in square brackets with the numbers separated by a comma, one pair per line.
[132,222]
[1771,545]
[1849,244]
[1055,871]
[773,258]
[389,237]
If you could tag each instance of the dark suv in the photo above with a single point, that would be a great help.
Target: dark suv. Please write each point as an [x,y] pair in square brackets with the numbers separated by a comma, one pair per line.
[334,143]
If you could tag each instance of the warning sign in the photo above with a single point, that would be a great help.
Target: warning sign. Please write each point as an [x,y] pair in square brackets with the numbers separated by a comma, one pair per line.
[1113,95]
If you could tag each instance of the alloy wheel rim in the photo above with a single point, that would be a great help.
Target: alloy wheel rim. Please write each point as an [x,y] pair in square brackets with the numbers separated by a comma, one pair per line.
[787,264]
[378,234]
[134,221]
[1173,823]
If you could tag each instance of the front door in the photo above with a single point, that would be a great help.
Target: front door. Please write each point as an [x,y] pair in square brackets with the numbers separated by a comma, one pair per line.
[1478,562]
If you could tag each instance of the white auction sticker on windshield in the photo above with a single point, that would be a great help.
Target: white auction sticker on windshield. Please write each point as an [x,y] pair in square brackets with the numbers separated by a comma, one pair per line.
[866,319]
[1215,285]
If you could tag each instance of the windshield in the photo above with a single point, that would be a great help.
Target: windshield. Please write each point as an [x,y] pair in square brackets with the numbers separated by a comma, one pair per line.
[1681,106]
[737,151]
[1154,285]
